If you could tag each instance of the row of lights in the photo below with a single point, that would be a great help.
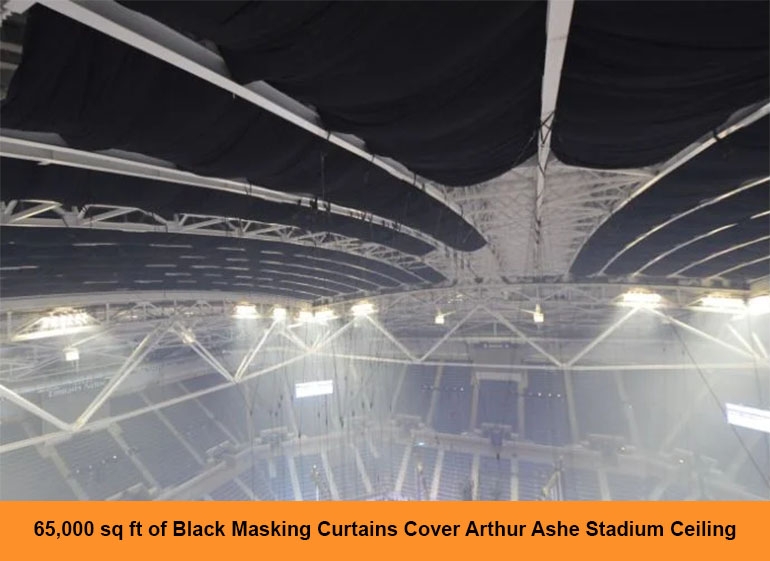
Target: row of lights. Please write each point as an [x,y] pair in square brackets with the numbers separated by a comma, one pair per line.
[249,311]
[756,305]
[63,323]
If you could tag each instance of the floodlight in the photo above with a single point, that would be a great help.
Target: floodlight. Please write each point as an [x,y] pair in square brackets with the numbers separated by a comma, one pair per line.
[641,299]
[538,316]
[748,417]
[310,389]
[440,319]
[187,337]
[245,311]
[362,309]
[279,314]
[322,316]
[62,321]
[722,304]
[305,316]
[71,354]
[759,305]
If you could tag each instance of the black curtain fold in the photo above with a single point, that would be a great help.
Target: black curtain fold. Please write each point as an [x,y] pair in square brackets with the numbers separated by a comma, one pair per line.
[643,80]
[738,160]
[99,93]
[449,89]
[22,179]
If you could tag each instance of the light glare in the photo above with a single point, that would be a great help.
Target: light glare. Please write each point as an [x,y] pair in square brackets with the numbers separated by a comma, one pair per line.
[322,316]
[538,316]
[305,316]
[728,304]
[245,311]
[759,305]
[71,354]
[642,299]
[310,389]
[57,323]
[362,309]
[748,417]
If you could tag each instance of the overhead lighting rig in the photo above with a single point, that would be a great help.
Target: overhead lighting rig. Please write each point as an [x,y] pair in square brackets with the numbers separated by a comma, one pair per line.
[362,309]
[639,298]
[721,304]
[245,311]
[538,316]
[279,313]
[61,321]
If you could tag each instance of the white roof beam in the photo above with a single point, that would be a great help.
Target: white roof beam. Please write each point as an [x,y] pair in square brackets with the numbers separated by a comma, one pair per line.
[557,30]
[14,144]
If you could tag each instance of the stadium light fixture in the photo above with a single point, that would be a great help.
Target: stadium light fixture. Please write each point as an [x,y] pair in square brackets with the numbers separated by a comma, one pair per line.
[279,313]
[641,299]
[310,389]
[245,311]
[187,337]
[322,316]
[538,316]
[440,319]
[62,321]
[362,309]
[759,305]
[71,354]
[305,316]
[722,304]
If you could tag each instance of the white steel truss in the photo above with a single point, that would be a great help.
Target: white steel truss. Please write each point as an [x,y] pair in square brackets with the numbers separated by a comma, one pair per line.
[22,213]
[504,209]
[49,149]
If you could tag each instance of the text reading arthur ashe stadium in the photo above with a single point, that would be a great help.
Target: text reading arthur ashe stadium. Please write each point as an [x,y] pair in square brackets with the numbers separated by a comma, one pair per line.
[283,529]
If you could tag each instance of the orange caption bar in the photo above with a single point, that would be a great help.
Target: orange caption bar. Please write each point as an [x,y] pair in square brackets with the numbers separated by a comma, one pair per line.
[381,530]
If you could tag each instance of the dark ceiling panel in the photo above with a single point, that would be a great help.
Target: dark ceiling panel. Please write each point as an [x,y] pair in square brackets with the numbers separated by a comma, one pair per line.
[743,231]
[449,89]
[51,261]
[99,93]
[643,80]
[70,186]
[738,160]
[733,259]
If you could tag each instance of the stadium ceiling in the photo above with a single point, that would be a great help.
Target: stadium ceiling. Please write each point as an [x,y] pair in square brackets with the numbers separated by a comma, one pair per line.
[325,152]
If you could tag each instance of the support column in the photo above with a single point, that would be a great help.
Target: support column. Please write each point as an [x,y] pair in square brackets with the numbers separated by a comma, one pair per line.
[397,392]
[403,468]
[335,496]
[521,430]
[434,395]
[294,478]
[628,410]
[604,486]
[514,479]
[475,383]
[475,476]
[569,391]
[362,471]
[436,479]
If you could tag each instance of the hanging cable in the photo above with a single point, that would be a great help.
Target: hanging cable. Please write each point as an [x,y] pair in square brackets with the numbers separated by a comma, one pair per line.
[746,450]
